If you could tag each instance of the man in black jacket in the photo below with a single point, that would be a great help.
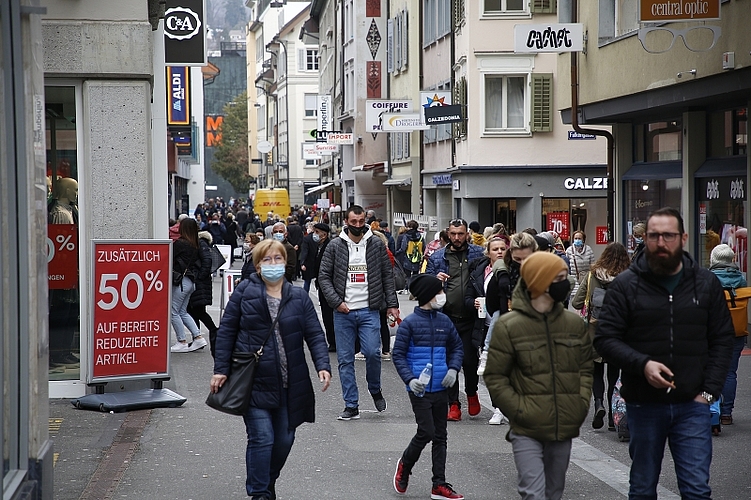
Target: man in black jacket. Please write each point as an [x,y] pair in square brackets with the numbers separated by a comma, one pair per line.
[322,231]
[665,323]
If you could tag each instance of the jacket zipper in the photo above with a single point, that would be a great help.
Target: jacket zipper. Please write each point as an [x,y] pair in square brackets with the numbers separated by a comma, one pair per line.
[670,300]
[552,371]
[432,346]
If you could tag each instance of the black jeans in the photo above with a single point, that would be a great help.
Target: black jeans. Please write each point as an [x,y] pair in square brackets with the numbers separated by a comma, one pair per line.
[327,313]
[470,361]
[430,414]
[598,385]
[385,333]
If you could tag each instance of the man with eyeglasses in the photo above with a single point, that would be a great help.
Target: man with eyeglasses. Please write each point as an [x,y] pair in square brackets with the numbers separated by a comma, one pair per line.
[279,233]
[664,321]
[357,281]
[450,264]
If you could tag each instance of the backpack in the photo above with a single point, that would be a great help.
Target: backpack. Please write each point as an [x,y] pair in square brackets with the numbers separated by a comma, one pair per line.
[594,303]
[414,251]
[737,300]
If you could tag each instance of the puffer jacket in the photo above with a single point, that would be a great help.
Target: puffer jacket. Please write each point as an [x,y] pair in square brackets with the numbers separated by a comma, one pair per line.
[203,294]
[689,331]
[246,323]
[332,276]
[185,255]
[579,263]
[427,336]
[729,275]
[539,370]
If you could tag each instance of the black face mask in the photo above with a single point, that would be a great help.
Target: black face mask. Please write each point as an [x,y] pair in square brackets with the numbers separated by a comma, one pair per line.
[559,291]
[356,231]
[514,265]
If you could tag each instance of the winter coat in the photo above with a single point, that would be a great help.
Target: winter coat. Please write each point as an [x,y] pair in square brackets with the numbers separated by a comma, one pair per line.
[427,336]
[332,277]
[185,255]
[689,331]
[295,235]
[218,232]
[438,263]
[318,256]
[290,269]
[539,369]
[246,323]
[248,268]
[408,265]
[579,263]
[729,275]
[174,232]
[231,238]
[476,288]
[308,252]
[600,279]
[203,294]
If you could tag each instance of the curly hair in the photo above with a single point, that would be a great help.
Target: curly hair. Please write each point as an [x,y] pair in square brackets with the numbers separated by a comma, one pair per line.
[614,259]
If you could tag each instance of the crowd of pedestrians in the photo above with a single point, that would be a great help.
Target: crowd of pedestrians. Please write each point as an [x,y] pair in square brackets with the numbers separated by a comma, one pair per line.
[489,303]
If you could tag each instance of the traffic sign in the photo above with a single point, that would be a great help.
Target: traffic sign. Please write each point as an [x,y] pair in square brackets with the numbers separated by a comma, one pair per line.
[264,147]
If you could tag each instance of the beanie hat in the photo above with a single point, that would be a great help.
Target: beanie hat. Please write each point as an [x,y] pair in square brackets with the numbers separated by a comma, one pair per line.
[548,236]
[721,254]
[425,287]
[539,270]
[474,226]
[322,226]
[543,244]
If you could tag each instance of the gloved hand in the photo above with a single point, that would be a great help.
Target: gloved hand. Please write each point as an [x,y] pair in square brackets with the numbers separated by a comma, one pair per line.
[450,378]
[416,386]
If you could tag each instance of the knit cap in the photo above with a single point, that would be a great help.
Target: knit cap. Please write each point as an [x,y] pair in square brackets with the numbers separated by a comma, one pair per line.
[543,244]
[539,270]
[721,254]
[425,287]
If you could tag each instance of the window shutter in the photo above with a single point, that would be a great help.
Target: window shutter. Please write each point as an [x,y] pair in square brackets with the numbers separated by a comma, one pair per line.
[405,39]
[543,6]
[460,97]
[390,45]
[542,102]
[458,13]
[300,59]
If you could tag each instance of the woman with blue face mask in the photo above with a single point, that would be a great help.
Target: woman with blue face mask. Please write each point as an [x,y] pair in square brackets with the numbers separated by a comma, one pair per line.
[581,257]
[267,310]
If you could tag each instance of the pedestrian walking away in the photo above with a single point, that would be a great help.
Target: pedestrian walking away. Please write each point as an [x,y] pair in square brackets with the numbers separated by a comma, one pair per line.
[428,356]
[203,294]
[357,281]
[539,373]
[282,394]
[665,323]
[186,266]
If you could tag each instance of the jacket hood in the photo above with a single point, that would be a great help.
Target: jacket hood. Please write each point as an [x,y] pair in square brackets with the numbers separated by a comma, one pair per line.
[206,236]
[731,267]
[521,302]
[413,234]
[603,276]
[345,236]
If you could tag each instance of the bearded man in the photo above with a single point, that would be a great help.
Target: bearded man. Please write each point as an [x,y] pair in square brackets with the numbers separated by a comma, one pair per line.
[665,323]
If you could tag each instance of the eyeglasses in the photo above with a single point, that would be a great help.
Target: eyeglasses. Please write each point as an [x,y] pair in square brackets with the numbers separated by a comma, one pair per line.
[458,222]
[279,232]
[666,237]
[658,39]
[278,259]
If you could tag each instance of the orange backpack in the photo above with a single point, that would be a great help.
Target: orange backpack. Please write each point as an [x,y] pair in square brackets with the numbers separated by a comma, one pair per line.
[737,300]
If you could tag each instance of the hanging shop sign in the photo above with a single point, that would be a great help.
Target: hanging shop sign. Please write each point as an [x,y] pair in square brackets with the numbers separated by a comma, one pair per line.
[535,38]
[62,256]
[722,189]
[309,151]
[663,11]
[585,183]
[340,138]
[326,149]
[185,33]
[559,222]
[437,115]
[213,134]
[178,96]
[323,105]
[130,329]
[402,122]
[376,108]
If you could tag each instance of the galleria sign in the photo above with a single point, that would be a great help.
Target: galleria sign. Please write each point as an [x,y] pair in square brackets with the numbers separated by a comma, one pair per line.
[577,183]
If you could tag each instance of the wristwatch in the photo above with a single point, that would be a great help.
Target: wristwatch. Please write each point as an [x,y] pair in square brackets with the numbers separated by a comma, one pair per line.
[707,396]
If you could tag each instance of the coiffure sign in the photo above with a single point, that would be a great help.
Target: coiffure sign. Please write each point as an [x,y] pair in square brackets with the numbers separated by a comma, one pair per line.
[660,11]
[376,109]
[585,183]
[185,33]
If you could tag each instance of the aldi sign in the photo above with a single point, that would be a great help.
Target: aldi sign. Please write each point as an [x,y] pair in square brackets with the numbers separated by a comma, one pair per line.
[178,88]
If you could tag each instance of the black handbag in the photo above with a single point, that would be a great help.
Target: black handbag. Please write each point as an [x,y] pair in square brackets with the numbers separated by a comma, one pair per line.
[234,396]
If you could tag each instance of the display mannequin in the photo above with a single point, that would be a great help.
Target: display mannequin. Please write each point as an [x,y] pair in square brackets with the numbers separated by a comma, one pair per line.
[64,207]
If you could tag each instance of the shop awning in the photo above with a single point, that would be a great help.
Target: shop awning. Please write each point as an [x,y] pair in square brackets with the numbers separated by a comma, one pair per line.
[723,167]
[654,170]
[368,167]
[318,189]
[398,182]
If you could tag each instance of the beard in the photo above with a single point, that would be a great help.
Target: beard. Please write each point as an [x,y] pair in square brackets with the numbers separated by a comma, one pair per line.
[664,262]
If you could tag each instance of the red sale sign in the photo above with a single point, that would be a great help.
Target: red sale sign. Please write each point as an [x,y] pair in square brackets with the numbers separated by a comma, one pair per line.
[62,256]
[559,222]
[131,309]
[601,235]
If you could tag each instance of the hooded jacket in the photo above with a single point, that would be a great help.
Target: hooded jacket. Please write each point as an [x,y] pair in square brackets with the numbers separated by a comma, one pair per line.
[689,331]
[539,369]
[332,276]
[729,275]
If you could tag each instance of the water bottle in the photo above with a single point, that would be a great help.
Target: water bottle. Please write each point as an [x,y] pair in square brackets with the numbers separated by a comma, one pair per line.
[424,377]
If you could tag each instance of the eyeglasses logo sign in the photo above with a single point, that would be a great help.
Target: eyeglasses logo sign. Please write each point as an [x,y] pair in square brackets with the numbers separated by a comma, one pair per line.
[181,23]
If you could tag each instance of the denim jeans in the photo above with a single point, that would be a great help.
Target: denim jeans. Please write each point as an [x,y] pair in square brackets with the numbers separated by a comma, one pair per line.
[180,299]
[306,285]
[489,335]
[687,429]
[431,411]
[269,442]
[364,324]
[731,382]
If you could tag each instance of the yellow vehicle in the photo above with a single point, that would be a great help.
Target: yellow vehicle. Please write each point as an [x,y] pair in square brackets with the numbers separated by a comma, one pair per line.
[274,200]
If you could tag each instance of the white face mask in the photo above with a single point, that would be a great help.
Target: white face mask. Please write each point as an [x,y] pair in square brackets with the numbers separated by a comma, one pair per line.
[439,301]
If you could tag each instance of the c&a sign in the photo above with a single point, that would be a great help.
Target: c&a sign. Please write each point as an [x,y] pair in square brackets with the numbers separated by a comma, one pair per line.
[185,33]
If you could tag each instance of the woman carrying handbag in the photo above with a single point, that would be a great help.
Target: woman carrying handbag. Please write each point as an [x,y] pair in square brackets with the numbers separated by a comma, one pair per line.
[267,312]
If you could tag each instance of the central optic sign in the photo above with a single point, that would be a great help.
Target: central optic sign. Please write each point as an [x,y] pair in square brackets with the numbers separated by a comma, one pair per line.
[660,11]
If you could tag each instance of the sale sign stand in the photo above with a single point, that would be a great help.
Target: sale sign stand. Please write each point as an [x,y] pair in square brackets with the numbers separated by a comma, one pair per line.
[129,333]
[228,286]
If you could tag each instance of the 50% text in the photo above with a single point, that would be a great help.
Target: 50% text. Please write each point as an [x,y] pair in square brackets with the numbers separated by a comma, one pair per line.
[126,293]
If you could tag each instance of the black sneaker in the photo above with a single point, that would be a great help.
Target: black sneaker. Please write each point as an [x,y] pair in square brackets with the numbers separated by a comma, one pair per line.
[349,414]
[380,402]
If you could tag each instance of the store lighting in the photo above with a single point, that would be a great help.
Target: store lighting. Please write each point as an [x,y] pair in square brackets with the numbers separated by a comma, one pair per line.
[645,186]
[581,205]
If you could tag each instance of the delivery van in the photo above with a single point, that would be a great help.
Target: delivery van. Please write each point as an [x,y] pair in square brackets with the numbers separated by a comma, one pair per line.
[274,200]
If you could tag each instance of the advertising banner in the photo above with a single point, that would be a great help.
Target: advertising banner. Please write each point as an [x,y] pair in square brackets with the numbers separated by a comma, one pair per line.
[130,331]
[323,105]
[228,285]
[185,33]
[436,115]
[402,122]
[178,95]
[601,235]
[559,222]
[376,108]
[62,256]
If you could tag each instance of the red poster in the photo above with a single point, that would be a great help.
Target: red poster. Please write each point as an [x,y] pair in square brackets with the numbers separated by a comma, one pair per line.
[601,235]
[559,222]
[373,71]
[373,8]
[131,308]
[62,256]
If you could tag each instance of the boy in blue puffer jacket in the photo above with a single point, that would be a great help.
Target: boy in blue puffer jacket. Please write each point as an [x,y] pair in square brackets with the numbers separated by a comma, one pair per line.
[427,336]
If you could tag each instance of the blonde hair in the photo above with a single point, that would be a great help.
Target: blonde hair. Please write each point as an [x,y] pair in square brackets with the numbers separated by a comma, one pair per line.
[266,247]
[520,241]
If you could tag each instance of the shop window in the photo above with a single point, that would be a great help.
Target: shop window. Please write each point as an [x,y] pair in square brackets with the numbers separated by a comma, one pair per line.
[311,109]
[617,18]
[658,141]
[727,133]
[721,208]
[643,196]
[62,227]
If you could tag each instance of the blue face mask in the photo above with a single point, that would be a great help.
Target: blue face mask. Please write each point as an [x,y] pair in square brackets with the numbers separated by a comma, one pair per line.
[578,243]
[272,272]
[279,236]
[316,238]
[639,241]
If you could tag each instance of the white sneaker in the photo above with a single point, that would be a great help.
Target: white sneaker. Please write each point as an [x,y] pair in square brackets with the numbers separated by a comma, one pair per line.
[360,356]
[498,418]
[198,343]
[180,347]
[483,362]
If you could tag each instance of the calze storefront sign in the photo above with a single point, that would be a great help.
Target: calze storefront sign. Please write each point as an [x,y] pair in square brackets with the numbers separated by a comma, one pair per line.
[130,330]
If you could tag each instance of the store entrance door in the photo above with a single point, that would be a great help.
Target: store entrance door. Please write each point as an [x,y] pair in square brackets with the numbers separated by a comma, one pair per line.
[505,213]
